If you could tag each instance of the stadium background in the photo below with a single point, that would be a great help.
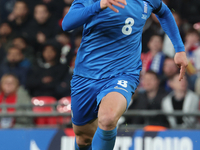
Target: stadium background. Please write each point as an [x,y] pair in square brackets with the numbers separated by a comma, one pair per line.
[36,66]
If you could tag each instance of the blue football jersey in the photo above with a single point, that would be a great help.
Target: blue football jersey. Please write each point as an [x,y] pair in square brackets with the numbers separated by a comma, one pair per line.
[111,42]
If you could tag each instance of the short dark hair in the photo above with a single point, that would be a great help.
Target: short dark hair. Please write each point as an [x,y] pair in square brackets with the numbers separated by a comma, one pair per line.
[53,43]
[53,48]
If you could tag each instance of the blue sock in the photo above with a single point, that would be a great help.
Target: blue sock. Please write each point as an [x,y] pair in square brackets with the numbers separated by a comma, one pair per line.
[104,140]
[84,148]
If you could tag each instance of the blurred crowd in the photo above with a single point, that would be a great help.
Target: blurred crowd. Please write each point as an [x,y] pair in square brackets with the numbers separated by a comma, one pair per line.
[37,59]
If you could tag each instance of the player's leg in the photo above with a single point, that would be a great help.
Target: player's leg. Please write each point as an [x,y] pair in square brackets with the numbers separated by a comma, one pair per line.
[84,135]
[84,114]
[111,108]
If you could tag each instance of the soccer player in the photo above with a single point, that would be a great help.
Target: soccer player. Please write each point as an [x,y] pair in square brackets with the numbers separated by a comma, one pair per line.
[108,63]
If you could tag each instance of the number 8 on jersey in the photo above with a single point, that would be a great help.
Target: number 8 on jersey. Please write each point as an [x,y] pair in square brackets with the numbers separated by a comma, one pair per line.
[127,28]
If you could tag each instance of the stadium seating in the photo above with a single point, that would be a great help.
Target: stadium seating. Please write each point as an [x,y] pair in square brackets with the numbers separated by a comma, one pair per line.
[40,101]
[64,106]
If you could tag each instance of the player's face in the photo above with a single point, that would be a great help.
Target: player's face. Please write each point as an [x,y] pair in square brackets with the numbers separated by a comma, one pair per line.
[41,14]
[150,82]
[49,54]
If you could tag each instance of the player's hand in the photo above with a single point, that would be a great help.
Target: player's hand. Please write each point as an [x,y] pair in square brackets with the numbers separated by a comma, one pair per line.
[181,61]
[108,3]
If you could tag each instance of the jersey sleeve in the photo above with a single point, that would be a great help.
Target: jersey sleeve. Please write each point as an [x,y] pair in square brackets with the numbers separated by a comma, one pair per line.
[156,4]
[79,14]
[168,24]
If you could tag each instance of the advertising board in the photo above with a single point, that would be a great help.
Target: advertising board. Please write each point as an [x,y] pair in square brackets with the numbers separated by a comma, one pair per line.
[54,139]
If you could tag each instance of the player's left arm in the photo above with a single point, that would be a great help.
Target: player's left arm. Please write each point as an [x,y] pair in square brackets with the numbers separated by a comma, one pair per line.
[168,24]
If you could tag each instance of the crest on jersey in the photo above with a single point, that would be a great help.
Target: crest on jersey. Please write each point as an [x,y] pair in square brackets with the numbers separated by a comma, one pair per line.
[144,14]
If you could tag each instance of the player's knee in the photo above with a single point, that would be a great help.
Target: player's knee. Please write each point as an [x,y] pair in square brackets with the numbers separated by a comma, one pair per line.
[83,141]
[108,121]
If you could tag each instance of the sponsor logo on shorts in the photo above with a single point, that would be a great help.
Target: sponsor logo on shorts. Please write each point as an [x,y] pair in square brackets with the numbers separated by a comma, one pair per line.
[116,87]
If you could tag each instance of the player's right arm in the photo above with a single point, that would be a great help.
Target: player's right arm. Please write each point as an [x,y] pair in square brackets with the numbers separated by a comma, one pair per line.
[79,14]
